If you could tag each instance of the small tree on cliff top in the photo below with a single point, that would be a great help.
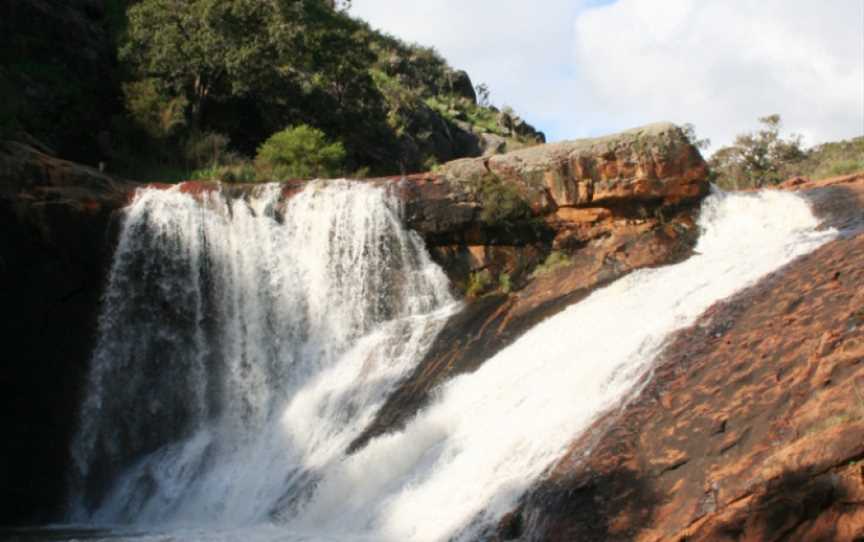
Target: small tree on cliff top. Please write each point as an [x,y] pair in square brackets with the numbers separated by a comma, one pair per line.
[301,152]
[757,158]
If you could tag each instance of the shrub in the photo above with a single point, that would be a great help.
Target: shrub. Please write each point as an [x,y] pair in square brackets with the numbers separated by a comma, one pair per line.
[505,284]
[243,172]
[556,260]
[478,283]
[831,159]
[159,114]
[361,173]
[301,152]
[501,202]
[843,167]
[206,149]
[757,159]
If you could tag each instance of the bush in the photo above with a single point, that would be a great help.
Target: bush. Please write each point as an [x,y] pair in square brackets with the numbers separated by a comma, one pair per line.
[843,167]
[159,114]
[301,152]
[243,172]
[759,158]
[556,260]
[206,149]
[478,283]
[835,158]
[501,202]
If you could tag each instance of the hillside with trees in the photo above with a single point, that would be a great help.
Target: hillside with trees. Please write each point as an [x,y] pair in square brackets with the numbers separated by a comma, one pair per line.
[171,89]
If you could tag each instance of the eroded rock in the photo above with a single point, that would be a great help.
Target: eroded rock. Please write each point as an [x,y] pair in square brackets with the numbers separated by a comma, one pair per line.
[751,434]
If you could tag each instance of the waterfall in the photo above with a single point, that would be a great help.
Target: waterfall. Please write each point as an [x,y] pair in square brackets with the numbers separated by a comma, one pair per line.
[465,460]
[243,345]
[275,341]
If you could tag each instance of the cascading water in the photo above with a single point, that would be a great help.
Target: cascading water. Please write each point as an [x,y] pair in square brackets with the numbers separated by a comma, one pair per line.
[281,367]
[220,311]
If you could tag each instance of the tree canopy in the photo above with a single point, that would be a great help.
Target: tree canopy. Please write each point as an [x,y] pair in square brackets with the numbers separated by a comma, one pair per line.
[242,70]
[758,158]
[300,152]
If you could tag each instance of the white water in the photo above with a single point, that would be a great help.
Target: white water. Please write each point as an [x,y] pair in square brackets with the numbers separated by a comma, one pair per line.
[488,436]
[246,353]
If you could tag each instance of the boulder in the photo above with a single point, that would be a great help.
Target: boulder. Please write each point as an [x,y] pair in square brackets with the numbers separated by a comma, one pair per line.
[492,144]
[56,76]
[648,164]
[461,85]
[593,240]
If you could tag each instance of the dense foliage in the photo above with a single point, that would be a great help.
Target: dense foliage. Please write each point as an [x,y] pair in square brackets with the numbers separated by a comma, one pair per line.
[300,152]
[164,75]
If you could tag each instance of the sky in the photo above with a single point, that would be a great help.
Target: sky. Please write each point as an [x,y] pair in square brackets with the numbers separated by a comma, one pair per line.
[581,68]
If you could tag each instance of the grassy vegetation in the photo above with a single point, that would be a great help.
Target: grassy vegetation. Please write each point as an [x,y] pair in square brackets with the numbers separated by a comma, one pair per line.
[483,119]
[504,283]
[479,283]
[483,282]
[832,159]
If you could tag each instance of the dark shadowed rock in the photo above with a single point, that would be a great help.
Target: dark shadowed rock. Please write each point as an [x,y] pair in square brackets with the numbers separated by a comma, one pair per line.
[56,73]
[58,226]
[461,85]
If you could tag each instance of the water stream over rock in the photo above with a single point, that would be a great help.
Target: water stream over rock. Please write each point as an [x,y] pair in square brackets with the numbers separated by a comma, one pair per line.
[245,342]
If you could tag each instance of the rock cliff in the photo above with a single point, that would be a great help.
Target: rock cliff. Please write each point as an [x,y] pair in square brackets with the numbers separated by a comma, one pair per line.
[57,242]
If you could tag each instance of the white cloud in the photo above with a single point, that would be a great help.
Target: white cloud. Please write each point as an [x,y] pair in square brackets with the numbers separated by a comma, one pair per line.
[721,64]
[522,50]
[573,70]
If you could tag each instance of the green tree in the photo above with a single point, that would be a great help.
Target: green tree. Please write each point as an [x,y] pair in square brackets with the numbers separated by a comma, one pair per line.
[160,115]
[301,152]
[758,158]
[690,134]
[212,49]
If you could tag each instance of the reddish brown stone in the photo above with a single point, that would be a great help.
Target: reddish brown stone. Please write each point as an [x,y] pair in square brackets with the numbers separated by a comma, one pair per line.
[752,426]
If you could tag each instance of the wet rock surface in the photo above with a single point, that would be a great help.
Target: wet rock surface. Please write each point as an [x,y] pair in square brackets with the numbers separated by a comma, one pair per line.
[490,323]
[752,425]
[643,187]
[60,222]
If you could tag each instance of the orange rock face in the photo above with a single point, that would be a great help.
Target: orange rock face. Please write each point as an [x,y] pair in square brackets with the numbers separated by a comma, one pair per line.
[752,427]
[601,208]
[652,163]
